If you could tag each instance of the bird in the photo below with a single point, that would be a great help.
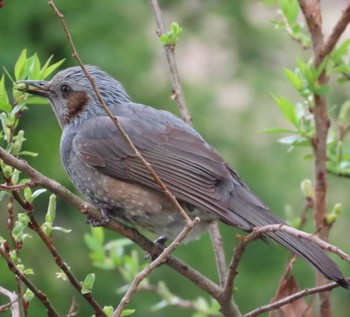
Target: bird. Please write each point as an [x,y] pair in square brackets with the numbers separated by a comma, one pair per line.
[103,167]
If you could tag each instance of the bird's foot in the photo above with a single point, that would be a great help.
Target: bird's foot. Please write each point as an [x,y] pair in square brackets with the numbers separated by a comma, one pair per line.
[159,242]
[99,223]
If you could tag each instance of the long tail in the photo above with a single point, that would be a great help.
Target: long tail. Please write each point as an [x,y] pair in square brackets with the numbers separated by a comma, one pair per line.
[252,213]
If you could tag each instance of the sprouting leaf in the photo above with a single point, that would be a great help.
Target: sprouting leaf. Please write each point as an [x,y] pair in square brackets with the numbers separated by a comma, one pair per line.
[20,65]
[88,283]
[288,109]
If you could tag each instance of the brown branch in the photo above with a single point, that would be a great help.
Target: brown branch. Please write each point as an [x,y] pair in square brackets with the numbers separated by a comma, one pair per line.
[115,120]
[169,51]
[148,270]
[171,61]
[63,266]
[338,30]
[312,12]
[220,259]
[18,186]
[258,232]
[13,301]
[132,234]
[39,294]
[291,298]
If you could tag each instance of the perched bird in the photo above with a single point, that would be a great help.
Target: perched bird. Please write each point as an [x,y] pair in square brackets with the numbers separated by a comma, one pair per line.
[103,167]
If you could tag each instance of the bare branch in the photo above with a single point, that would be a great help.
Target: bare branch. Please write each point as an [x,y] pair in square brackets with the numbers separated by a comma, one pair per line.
[18,186]
[291,298]
[216,241]
[13,301]
[39,294]
[170,56]
[338,30]
[148,270]
[63,266]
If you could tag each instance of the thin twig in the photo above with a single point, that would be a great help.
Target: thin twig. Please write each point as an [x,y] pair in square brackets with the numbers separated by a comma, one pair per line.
[171,61]
[18,186]
[337,31]
[258,232]
[291,298]
[220,259]
[312,12]
[169,51]
[115,120]
[39,294]
[63,266]
[157,262]
[13,301]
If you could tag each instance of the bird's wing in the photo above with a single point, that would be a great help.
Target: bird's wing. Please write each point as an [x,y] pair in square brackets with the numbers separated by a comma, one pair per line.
[190,168]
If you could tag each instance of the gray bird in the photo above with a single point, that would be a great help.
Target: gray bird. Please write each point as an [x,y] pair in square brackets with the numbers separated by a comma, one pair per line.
[104,168]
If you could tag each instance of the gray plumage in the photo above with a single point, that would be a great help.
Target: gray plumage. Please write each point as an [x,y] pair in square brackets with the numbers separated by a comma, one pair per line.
[104,168]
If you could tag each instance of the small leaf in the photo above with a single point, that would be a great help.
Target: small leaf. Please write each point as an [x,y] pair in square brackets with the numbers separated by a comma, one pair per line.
[287,109]
[108,310]
[20,65]
[278,130]
[294,79]
[28,295]
[88,283]
[38,192]
[127,312]
[51,209]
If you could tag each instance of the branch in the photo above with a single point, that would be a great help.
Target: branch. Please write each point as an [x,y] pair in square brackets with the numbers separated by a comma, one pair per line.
[220,259]
[39,294]
[291,298]
[63,266]
[338,30]
[13,301]
[170,56]
[260,231]
[148,270]
[18,186]
[312,12]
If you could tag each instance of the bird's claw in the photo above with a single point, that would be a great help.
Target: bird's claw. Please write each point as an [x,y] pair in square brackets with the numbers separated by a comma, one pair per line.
[99,223]
[159,242]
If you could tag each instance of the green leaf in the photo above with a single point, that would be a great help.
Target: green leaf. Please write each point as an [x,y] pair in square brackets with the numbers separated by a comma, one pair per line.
[20,65]
[88,283]
[290,9]
[108,310]
[288,109]
[48,70]
[295,140]
[294,79]
[28,295]
[278,130]
[127,312]
[51,209]
[38,192]
[4,100]
[322,90]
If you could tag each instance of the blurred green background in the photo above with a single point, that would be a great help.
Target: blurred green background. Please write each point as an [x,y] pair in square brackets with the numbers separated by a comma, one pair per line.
[230,57]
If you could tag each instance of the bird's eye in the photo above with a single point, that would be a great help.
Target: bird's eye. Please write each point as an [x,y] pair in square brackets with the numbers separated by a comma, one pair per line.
[65,89]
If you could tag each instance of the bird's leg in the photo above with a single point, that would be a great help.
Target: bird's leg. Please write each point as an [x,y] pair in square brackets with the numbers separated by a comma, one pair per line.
[159,242]
[98,223]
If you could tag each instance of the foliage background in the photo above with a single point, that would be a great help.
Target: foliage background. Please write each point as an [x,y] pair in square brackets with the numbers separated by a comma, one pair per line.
[230,57]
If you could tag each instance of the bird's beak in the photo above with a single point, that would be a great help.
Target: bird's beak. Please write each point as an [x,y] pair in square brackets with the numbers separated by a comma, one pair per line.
[35,87]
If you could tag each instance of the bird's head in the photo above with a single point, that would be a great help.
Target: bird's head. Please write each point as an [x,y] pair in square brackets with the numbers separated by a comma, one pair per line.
[72,95]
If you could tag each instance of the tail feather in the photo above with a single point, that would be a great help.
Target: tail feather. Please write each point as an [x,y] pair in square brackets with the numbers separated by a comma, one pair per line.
[249,212]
